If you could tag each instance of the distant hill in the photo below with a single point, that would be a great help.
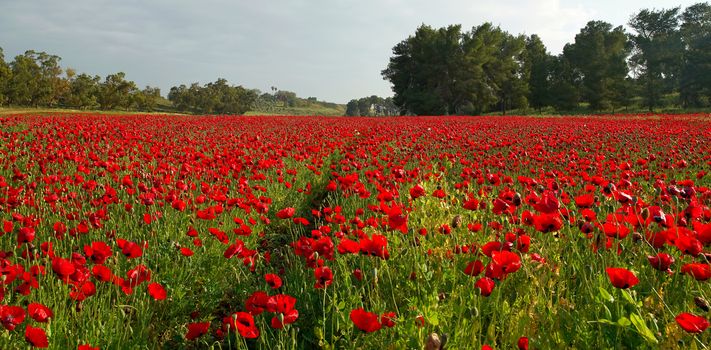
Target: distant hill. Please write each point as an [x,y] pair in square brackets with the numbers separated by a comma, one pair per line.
[287,103]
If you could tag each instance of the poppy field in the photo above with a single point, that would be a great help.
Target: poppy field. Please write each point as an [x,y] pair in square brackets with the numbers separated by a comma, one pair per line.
[193,232]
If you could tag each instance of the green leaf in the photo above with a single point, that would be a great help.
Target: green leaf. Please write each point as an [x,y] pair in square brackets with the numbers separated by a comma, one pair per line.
[627,296]
[434,319]
[624,322]
[642,328]
[606,296]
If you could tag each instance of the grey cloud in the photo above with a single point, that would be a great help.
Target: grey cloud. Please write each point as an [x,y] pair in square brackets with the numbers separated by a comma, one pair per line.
[331,49]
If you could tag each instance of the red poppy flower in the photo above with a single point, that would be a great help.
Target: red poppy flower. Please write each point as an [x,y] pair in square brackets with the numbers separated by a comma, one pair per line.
[234,249]
[522,343]
[11,316]
[62,267]
[157,291]
[388,319]
[186,252]
[286,213]
[98,252]
[700,271]
[547,204]
[358,274]
[347,246]
[196,330]
[87,347]
[256,303]
[474,268]
[39,312]
[585,200]
[501,206]
[82,291]
[26,235]
[130,249]
[36,337]
[396,221]
[417,191]
[688,244]
[137,275]
[273,280]
[507,262]
[377,245]
[283,305]
[471,204]
[661,261]
[547,222]
[243,323]
[486,286]
[621,278]
[102,273]
[324,277]
[692,323]
[7,227]
[420,321]
[365,321]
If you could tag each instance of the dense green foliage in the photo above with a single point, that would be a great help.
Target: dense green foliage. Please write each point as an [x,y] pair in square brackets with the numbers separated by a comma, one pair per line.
[664,62]
[36,79]
[282,102]
[373,106]
[212,98]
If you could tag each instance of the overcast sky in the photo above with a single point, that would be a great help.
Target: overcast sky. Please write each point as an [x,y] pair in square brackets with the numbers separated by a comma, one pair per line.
[331,49]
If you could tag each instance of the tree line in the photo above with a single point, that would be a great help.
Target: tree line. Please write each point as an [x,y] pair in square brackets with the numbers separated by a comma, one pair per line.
[373,106]
[36,79]
[663,62]
[212,98]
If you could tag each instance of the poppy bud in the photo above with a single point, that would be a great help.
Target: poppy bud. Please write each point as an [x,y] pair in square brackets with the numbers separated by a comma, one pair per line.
[516,200]
[457,221]
[433,342]
[701,303]
[644,213]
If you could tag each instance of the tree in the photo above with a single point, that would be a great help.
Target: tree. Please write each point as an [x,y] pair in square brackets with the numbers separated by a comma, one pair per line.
[214,98]
[564,93]
[513,84]
[352,108]
[537,62]
[599,56]
[373,106]
[445,71]
[83,92]
[115,92]
[422,71]
[695,80]
[657,52]
[287,98]
[36,79]
[146,99]
[364,107]
[181,98]
[5,78]
[24,81]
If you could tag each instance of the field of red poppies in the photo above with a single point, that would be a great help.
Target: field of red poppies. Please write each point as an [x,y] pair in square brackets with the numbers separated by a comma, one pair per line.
[308,232]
